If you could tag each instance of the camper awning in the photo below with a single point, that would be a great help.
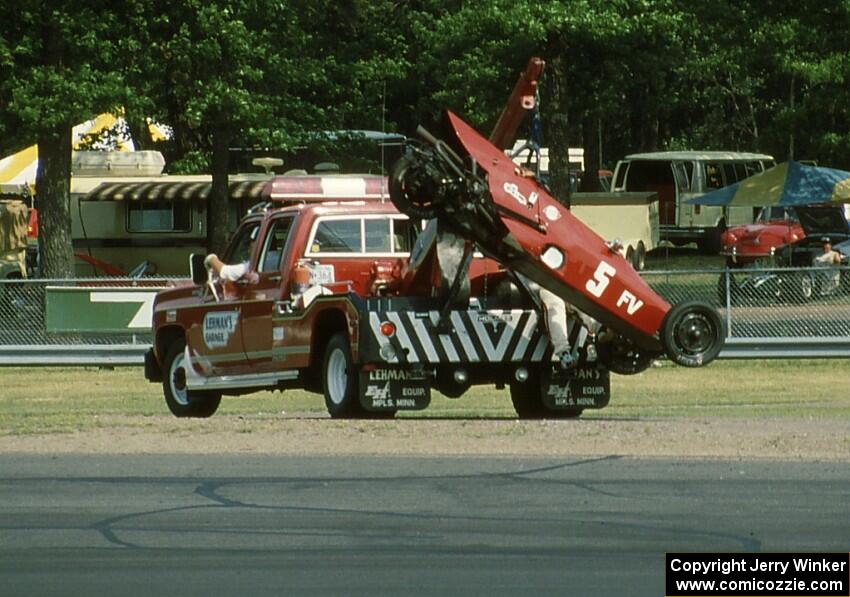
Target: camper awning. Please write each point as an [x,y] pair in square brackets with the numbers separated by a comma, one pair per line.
[171,190]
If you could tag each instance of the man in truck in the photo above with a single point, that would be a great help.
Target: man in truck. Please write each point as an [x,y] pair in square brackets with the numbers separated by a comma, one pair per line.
[235,271]
[227,272]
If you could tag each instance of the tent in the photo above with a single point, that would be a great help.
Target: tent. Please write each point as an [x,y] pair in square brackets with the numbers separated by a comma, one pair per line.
[18,170]
[789,183]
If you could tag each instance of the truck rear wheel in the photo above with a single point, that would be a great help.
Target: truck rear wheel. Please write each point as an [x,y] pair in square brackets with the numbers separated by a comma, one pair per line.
[527,398]
[340,380]
[181,401]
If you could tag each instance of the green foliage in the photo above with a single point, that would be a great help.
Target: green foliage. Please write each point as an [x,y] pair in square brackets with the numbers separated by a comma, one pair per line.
[633,75]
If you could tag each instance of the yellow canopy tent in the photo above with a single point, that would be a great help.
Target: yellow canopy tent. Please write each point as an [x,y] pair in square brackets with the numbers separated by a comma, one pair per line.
[18,170]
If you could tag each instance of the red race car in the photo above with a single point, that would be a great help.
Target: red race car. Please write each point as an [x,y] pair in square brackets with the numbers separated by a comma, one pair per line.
[774,227]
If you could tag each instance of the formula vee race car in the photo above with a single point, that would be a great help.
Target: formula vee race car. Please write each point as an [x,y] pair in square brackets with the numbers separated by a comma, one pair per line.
[476,192]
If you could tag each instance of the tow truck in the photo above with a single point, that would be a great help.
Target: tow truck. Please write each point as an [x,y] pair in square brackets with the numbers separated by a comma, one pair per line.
[353,299]
[375,303]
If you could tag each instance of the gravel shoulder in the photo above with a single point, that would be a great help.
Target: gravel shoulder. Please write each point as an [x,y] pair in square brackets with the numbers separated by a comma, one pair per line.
[714,438]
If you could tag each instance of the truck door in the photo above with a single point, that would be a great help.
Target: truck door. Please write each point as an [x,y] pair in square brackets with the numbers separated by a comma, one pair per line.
[258,300]
[216,340]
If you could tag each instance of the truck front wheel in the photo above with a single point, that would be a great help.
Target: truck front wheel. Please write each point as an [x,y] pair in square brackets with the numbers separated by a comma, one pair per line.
[181,401]
[340,380]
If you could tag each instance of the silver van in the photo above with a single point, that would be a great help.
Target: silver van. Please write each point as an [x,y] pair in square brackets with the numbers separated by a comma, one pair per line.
[679,175]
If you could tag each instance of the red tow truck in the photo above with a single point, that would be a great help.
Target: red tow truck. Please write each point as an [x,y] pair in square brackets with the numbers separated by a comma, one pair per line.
[365,303]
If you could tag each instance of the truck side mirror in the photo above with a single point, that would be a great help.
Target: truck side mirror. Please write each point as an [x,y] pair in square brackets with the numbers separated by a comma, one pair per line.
[197,269]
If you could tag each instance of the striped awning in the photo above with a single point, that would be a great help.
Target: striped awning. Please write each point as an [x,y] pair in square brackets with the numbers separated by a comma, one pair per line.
[172,190]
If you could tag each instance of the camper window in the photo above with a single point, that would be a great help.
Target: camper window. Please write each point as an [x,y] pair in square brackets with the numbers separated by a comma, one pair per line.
[159,216]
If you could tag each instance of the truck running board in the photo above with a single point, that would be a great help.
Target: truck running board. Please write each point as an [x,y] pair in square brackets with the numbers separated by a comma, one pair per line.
[196,381]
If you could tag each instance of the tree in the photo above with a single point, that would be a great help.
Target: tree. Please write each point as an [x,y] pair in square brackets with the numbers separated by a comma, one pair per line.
[55,71]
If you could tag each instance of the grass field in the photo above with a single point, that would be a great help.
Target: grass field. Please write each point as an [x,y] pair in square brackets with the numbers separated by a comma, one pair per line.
[50,400]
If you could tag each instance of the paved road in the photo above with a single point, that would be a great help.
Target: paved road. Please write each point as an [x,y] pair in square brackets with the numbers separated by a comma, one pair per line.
[248,525]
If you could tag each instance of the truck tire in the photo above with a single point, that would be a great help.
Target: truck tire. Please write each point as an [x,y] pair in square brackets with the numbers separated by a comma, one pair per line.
[527,398]
[182,402]
[340,380]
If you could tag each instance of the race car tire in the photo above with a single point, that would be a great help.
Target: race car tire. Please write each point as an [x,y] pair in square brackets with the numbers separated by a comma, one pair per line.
[621,356]
[692,334]
[182,402]
[340,380]
[409,200]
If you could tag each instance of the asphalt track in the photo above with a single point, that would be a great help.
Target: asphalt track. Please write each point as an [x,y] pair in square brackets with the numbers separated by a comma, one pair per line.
[283,525]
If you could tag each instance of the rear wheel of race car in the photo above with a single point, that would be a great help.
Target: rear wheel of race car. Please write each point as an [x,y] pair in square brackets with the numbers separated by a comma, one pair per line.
[181,401]
[621,356]
[340,380]
[692,334]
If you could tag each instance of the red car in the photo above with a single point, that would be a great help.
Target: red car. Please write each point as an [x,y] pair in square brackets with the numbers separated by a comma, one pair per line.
[774,227]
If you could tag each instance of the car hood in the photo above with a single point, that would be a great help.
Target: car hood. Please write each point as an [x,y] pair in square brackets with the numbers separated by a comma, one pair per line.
[823,220]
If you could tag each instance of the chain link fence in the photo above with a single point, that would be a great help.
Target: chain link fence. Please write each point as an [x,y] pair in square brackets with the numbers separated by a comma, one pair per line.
[768,312]
[767,303]
[41,324]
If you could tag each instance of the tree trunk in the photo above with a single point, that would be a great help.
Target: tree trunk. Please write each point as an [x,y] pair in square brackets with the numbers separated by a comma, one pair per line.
[558,132]
[53,197]
[217,233]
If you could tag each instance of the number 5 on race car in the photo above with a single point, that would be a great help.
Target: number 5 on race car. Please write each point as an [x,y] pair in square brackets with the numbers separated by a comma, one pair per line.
[601,278]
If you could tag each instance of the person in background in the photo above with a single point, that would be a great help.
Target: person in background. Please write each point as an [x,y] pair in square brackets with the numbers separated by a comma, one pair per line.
[829,257]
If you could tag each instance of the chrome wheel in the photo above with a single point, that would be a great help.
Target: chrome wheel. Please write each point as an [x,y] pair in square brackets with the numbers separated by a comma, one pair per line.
[177,380]
[337,380]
